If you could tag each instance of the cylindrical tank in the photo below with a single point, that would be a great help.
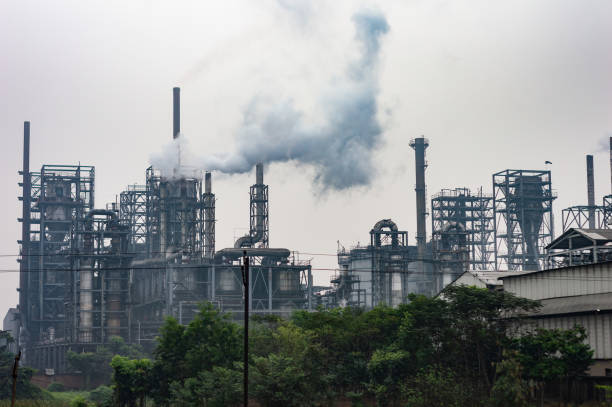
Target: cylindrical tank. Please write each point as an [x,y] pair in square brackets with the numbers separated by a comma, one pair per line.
[86,305]
[287,281]
[227,280]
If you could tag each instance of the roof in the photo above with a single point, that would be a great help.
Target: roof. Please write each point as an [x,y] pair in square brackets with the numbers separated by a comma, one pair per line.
[575,304]
[524,273]
[581,238]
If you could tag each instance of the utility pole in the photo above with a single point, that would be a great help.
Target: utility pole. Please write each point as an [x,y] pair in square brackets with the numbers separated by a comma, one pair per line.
[15,369]
[245,282]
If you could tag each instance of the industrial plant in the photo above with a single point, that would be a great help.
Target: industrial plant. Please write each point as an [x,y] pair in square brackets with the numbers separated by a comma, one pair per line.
[88,273]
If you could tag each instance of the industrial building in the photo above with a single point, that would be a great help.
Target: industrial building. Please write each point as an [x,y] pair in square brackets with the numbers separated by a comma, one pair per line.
[87,274]
[572,296]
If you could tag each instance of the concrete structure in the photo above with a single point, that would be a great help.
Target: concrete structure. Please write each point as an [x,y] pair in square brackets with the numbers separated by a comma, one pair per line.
[578,295]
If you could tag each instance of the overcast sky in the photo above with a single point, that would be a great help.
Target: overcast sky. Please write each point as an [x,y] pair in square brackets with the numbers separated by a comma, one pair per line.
[493,85]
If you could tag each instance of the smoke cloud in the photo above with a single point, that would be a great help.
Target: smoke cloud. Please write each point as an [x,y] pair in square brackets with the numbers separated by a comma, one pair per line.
[340,148]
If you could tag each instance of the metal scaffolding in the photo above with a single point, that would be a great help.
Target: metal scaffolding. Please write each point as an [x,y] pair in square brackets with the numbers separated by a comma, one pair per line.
[577,217]
[463,231]
[61,195]
[133,213]
[175,221]
[100,306]
[522,201]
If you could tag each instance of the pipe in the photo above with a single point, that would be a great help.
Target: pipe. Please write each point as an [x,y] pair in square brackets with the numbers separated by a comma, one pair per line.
[420,145]
[25,227]
[256,234]
[590,191]
[176,112]
[235,253]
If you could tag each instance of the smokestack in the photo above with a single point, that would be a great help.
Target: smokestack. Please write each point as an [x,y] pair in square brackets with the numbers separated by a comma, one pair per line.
[259,174]
[25,227]
[209,217]
[419,145]
[610,161]
[590,191]
[176,112]
[207,183]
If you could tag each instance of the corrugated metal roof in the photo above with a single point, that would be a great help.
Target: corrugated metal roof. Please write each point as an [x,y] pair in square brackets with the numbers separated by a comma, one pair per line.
[581,237]
[576,304]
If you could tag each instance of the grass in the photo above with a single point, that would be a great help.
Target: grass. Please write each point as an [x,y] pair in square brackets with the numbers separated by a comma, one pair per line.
[35,403]
[68,396]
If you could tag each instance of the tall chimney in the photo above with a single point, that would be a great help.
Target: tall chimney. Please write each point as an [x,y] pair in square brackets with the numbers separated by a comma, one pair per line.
[209,217]
[207,183]
[419,145]
[590,191]
[259,174]
[25,227]
[176,112]
[611,161]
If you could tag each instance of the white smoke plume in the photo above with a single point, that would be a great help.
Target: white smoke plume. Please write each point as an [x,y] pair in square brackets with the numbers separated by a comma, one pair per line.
[340,149]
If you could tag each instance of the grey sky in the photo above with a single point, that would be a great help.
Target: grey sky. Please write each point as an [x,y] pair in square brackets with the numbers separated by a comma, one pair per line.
[493,85]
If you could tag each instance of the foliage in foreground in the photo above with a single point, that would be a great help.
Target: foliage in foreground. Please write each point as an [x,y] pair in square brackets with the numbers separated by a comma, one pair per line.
[462,350]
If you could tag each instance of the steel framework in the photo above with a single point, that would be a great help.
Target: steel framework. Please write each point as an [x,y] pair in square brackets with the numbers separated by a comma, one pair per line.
[61,195]
[175,221]
[208,203]
[522,202]
[390,259]
[578,217]
[474,212]
[133,213]
[100,306]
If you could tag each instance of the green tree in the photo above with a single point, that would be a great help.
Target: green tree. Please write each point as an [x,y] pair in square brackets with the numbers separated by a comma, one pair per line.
[25,389]
[552,354]
[437,386]
[387,368]
[132,380]
[219,387]
[91,364]
[509,390]
[97,363]
[182,352]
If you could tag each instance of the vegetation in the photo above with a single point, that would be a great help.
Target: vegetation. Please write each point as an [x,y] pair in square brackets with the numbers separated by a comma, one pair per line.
[98,363]
[460,350]
[25,390]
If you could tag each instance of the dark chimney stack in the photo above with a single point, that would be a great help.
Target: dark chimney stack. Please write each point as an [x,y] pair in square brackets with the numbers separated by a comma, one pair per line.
[590,191]
[176,111]
[25,227]
[420,145]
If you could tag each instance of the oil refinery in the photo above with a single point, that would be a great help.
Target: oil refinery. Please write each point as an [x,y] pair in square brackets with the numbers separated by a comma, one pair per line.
[88,273]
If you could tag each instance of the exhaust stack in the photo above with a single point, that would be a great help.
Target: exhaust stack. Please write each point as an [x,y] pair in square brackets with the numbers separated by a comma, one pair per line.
[176,112]
[420,145]
[209,217]
[25,227]
[590,191]
[611,162]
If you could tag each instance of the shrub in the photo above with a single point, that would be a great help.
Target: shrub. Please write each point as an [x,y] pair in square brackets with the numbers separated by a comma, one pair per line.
[79,402]
[102,396]
[56,386]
